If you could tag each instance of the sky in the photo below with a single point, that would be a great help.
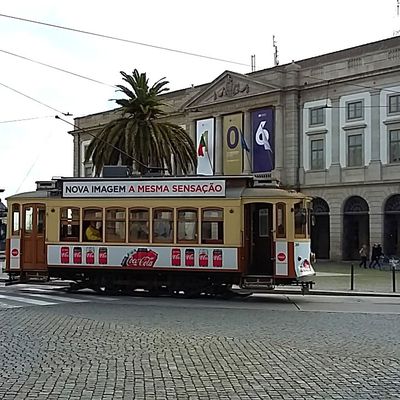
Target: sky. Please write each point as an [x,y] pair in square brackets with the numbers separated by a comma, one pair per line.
[34,145]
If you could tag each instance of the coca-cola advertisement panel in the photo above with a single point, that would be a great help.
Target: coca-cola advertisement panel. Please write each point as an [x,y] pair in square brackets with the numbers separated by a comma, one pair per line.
[135,257]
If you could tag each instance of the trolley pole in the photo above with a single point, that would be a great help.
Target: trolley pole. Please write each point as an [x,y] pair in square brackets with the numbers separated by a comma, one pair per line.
[352,277]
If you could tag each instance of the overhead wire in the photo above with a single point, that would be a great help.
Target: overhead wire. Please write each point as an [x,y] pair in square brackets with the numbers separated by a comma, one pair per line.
[104,141]
[188,53]
[35,100]
[56,68]
[26,119]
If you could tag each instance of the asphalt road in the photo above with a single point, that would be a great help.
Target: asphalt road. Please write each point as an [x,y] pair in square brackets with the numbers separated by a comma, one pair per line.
[58,345]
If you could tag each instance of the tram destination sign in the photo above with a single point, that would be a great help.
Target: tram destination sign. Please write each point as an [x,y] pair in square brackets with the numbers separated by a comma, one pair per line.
[167,188]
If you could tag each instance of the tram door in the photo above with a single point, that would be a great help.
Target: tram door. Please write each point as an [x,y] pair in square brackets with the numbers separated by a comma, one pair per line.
[33,237]
[259,231]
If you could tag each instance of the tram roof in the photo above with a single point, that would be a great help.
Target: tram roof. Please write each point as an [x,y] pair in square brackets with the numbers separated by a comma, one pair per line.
[234,191]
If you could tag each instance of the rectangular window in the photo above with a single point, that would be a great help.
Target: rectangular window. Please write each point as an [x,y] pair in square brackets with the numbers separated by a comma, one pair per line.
[187,226]
[394,146]
[28,219]
[40,216]
[317,116]
[15,219]
[394,104]
[300,220]
[163,226]
[317,154]
[263,227]
[280,220]
[355,110]
[115,225]
[92,225]
[139,225]
[69,224]
[354,151]
[212,226]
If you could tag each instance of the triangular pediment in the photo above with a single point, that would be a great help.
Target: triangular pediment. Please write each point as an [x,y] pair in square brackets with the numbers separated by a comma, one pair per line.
[229,86]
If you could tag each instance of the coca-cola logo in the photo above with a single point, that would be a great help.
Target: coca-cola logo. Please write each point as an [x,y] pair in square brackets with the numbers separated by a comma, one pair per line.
[141,259]
[14,252]
[281,257]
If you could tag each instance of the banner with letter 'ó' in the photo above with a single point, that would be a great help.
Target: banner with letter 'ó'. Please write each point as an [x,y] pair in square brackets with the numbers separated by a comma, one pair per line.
[205,146]
[263,131]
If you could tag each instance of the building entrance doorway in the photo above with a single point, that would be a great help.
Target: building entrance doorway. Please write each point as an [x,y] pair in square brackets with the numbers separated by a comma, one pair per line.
[355,227]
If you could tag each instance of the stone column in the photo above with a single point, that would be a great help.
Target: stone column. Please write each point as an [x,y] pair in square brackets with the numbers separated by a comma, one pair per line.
[248,139]
[192,134]
[218,146]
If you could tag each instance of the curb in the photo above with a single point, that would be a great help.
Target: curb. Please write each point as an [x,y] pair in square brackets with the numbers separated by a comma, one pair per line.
[312,292]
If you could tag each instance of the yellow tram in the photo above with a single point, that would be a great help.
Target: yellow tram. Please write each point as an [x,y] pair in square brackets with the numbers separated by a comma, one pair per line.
[190,235]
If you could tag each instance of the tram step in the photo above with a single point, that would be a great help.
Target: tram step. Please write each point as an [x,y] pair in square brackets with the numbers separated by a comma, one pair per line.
[258,282]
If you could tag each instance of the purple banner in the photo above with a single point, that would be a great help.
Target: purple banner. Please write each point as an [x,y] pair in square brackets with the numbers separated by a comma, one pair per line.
[263,130]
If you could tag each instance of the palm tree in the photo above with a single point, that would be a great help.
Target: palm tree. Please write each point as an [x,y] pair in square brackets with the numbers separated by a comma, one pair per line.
[138,138]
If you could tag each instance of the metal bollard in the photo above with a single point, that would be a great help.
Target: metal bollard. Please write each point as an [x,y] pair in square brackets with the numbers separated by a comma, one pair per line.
[394,278]
[352,277]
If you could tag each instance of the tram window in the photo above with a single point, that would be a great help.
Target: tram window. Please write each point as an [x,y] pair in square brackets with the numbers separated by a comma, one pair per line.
[299,220]
[115,225]
[280,220]
[212,226]
[69,224]
[163,230]
[138,225]
[92,224]
[28,219]
[187,226]
[263,226]
[40,220]
[15,219]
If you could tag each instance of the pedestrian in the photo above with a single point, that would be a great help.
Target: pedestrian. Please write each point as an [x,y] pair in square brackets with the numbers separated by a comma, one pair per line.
[376,253]
[363,254]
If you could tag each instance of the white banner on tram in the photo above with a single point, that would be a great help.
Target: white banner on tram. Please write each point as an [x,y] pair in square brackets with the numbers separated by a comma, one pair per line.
[143,257]
[167,188]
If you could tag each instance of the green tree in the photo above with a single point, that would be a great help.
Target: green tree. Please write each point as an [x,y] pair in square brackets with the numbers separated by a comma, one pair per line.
[138,138]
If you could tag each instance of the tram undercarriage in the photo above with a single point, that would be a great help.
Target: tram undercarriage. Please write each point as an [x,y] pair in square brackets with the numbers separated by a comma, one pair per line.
[190,284]
[172,283]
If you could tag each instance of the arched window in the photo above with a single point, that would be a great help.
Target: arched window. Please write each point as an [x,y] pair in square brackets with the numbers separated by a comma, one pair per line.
[392,204]
[320,206]
[355,227]
[356,205]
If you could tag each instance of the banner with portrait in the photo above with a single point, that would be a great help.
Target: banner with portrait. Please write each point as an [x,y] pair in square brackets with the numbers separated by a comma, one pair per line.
[205,146]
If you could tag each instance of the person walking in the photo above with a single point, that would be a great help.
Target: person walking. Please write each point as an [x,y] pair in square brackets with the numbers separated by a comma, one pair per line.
[363,254]
[376,253]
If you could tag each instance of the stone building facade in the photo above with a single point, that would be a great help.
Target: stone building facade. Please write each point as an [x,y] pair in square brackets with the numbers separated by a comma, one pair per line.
[336,137]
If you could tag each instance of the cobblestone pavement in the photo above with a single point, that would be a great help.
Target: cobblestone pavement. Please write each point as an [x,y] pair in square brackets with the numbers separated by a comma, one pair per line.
[196,350]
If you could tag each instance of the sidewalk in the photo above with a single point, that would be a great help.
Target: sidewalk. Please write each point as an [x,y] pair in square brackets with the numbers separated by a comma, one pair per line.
[336,277]
[333,278]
